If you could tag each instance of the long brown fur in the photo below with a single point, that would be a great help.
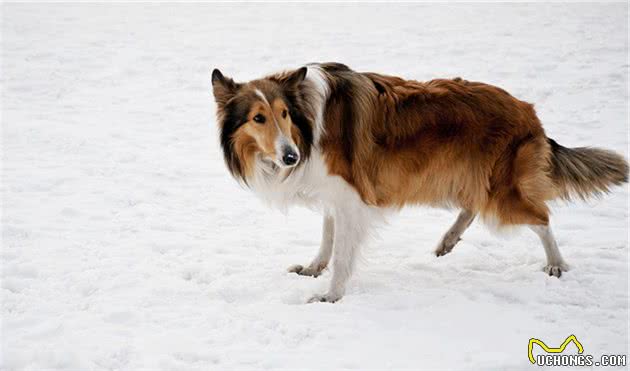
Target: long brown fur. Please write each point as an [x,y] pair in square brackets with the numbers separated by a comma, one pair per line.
[453,142]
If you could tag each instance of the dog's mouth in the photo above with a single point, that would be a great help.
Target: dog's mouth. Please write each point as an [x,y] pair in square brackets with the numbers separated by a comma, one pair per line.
[269,165]
[272,168]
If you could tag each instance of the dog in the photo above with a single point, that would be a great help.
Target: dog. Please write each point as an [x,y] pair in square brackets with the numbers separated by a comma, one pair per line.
[355,145]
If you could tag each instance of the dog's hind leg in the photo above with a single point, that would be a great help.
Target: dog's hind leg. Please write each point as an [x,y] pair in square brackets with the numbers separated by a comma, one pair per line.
[453,235]
[555,263]
[325,251]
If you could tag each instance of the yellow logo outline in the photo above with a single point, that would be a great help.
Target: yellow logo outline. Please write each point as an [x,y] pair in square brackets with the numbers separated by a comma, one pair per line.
[560,349]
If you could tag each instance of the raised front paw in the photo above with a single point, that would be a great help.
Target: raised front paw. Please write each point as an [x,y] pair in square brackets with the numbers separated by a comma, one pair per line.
[305,271]
[326,298]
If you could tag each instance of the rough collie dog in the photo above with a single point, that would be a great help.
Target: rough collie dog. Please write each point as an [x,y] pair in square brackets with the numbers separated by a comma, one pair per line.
[355,145]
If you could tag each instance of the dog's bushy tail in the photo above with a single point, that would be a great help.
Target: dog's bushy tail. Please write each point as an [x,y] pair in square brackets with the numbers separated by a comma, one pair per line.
[585,171]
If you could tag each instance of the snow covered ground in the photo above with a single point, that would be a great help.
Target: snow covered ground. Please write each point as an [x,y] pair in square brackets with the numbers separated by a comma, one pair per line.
[126,245]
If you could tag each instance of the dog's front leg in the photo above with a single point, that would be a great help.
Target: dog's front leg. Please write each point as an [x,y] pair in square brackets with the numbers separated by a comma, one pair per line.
[325,251]
[351,224]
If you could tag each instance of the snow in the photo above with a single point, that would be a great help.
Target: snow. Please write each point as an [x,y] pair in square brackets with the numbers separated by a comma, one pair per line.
[126,245]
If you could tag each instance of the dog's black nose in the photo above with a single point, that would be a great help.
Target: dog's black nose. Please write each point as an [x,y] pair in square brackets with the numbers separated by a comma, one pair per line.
[289,157]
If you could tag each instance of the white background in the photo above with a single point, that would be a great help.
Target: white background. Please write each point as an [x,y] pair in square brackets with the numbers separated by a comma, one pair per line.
[126,245]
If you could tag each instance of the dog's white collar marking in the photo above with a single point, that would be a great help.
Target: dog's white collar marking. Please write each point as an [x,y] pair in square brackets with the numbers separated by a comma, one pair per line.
[316,76]
[308,185]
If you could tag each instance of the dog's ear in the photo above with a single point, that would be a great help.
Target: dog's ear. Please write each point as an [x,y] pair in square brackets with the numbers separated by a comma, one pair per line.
[224,88]
[296,77]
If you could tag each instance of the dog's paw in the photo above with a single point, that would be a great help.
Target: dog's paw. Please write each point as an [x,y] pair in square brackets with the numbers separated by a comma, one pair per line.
[304,271]
[445,247]
[556,269]
[326,298]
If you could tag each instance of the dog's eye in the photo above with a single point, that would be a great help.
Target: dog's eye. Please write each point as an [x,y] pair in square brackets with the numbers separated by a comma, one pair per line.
[284,114]
[259,118]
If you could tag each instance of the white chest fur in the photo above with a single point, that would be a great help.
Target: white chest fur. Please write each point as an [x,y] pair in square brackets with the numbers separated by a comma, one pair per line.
[308,185]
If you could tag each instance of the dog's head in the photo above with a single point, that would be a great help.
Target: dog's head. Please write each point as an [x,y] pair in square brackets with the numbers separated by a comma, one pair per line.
[261,121]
